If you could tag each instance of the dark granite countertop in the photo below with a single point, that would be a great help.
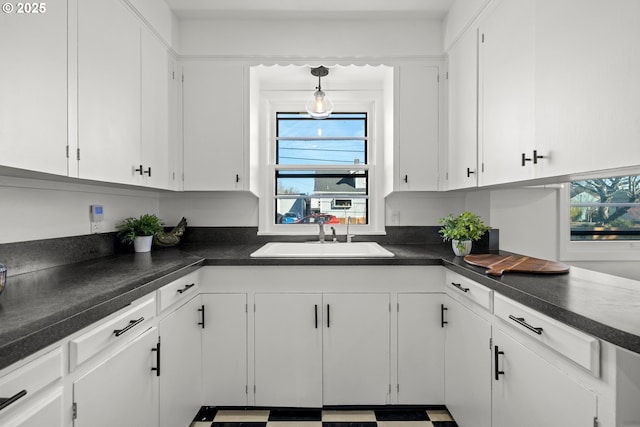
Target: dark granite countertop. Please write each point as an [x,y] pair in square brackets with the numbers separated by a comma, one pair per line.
[42,307]
[605,306]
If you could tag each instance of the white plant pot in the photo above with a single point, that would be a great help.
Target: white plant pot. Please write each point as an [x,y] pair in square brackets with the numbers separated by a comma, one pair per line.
[142,243]
[467,247]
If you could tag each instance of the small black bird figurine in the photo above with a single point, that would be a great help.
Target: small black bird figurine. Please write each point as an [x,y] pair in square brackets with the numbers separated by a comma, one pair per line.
[171,238]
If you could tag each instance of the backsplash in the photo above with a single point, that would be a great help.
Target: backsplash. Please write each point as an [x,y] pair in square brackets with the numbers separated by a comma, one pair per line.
[24,257]
[396,235]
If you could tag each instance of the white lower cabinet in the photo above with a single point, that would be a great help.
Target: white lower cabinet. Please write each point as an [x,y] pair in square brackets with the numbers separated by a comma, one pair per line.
[122,390]
[321,349]
[288,349]
[421,350]
[31,395]
[224,349]
[467,365]
[46,411]
[356,349]
[181,364]
[528,391]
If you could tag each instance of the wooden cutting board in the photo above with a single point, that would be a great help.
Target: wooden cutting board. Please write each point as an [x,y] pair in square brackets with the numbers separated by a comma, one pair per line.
[498,264]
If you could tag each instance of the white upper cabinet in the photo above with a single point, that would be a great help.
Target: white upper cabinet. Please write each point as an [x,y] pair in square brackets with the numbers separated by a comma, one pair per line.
[33,88]
[507,92]
[417,147]
[547,102]
[587,85]
[108,91]
[213,125]
[157,78]
[463,112]
[124,83]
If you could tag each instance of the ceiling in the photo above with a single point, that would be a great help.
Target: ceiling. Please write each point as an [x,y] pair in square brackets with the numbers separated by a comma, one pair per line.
[289,9]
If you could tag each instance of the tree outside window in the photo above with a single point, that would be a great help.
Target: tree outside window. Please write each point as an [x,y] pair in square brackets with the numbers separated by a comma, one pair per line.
[605,209]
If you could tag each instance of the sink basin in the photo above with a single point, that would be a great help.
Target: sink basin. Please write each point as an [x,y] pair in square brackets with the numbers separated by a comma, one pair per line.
[322,250]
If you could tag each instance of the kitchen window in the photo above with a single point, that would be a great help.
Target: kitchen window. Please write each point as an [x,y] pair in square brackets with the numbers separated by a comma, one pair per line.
[321,169]
[600,219]
[605,209]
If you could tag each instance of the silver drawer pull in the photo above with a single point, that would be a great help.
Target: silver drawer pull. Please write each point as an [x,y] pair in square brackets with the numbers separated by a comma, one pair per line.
[521,321]
[459,286]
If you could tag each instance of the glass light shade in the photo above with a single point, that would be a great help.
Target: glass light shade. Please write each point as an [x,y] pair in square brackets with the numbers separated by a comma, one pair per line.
[320,107]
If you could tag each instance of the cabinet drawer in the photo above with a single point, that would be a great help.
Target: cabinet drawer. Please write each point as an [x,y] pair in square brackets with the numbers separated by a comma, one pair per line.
[575,345]
[18,386]
[179,290]
[119,329]
[469,290]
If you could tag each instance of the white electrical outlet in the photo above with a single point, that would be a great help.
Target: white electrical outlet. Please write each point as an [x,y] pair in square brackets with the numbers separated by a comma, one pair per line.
[96,227]
[395,218]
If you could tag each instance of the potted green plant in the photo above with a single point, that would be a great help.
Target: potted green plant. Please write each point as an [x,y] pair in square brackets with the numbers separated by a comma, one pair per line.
[140,231]
[462,230]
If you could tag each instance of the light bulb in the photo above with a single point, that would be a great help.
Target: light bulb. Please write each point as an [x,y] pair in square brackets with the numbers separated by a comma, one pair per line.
[320,107]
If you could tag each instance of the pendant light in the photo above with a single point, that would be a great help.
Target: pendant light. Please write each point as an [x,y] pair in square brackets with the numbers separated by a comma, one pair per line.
[320,107]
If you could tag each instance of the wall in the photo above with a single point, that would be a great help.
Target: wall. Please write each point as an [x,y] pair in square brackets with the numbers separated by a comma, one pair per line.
[158,15]
[460,16]
[273,41]
[335,38]
[527,219]
[221,209]
[38,209]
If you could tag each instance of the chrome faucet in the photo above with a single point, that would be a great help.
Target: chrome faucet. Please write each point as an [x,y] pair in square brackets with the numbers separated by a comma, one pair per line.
[349,236]
[321,231]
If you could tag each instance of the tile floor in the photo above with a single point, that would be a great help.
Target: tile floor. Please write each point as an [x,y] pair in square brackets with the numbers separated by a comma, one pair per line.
[209,416]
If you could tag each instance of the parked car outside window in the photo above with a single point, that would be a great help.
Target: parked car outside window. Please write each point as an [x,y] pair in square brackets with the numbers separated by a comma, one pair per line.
[290,218]
[325,218]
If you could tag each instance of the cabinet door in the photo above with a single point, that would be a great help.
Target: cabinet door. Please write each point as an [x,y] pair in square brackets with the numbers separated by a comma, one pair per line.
[420,349]
[356,349]
[213,121]
[418,120]
[587,86]
[530,392]
[507,91]
[174,173]
[155,83]
[108,91]
[181,369]
[123,389]
[224,349]
[467,366]
[33,84]
[463,112]
[288,350]
[45,411]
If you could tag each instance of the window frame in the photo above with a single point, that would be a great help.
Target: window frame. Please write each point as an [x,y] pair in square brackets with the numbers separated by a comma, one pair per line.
[590,250]
[328,170]
[369,102]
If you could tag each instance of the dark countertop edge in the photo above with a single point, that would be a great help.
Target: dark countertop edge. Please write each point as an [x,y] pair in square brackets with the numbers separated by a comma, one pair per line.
[16,350]
[582,323]
[231,255]
[437,255]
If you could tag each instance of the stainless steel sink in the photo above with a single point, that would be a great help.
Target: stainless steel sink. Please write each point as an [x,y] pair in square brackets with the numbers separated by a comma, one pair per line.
[322,250]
